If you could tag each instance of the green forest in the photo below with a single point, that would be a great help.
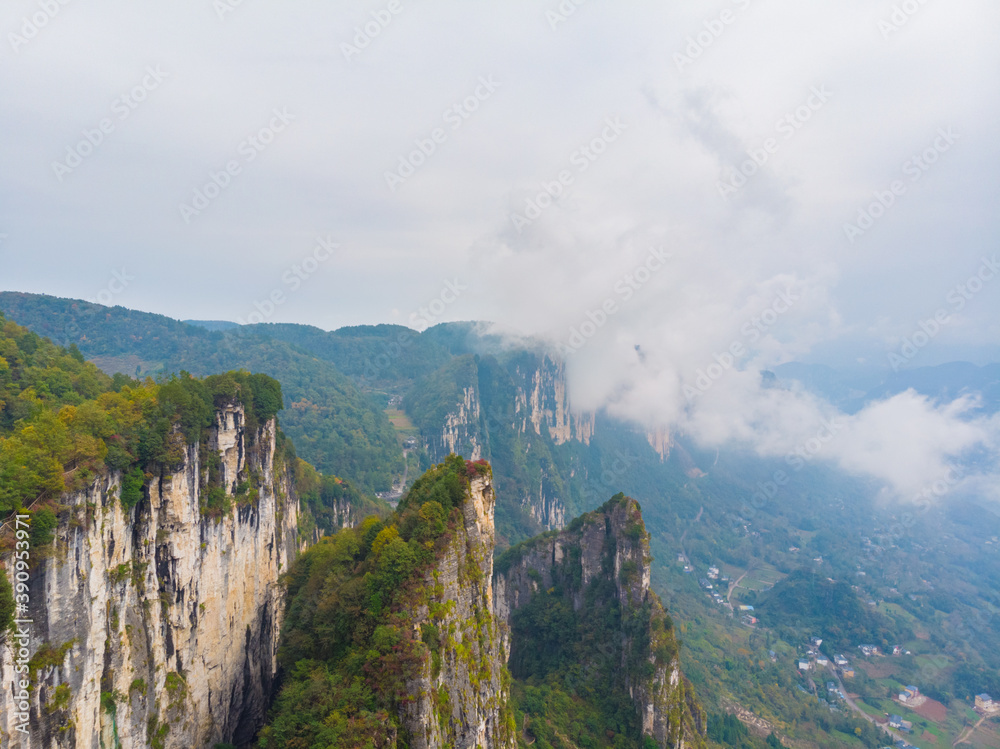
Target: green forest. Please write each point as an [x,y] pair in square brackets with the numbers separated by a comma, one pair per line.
[63,423]
[805,604]
[335,426]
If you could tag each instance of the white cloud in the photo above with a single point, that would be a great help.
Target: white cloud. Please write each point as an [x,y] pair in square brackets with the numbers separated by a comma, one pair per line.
[654,185]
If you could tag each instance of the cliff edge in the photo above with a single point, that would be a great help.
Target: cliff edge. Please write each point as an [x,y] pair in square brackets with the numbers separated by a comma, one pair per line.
[582,622]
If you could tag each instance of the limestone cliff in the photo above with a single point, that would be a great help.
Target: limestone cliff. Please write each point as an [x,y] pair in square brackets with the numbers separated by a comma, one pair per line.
[460,432]
[158,626]
[514,413]
[542,399]
[661,440]
[463,702]
[593,578]
[390,640]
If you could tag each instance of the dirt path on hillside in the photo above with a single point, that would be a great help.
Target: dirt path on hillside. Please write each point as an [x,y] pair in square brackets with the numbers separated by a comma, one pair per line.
[684,534]
[733,586]
[963,738]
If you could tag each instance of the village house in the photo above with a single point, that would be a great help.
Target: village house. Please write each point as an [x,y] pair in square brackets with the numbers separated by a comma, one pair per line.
[895,721]
[985,703]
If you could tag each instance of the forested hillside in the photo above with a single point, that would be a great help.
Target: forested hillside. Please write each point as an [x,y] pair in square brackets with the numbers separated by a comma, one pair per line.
[63,422]
[334,425]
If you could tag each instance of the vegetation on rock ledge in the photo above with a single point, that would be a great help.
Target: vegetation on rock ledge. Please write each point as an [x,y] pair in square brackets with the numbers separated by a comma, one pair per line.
[348,643]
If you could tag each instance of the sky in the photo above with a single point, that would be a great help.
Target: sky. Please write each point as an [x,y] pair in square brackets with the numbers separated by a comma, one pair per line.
[655,189]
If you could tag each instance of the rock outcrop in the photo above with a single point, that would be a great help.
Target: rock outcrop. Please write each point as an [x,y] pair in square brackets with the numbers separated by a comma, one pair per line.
[460,432]
[463,703]
[157,626]
[601,561]
[543,399]
[514,414]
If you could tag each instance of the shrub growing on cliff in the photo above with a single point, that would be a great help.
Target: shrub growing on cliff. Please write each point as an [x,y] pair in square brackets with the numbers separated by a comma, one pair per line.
[42,523]
[131,491]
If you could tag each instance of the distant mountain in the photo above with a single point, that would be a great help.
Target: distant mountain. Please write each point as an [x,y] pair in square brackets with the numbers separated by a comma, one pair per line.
[386,358]
[212,324]
[334,425]
[945,383]
[852,390]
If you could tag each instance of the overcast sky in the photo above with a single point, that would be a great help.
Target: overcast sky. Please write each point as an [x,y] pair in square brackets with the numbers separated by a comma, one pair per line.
[570,171]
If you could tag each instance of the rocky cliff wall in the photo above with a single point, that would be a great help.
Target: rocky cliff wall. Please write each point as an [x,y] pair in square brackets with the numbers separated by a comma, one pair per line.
[158,626]
[461,698]
[609,545]
[544,400]
[528,403]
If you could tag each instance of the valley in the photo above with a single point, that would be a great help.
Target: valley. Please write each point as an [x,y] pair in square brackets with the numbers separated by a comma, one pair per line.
[779,572]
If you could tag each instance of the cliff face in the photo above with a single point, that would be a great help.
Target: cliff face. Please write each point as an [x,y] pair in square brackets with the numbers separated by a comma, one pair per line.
[389,636]
[599,568]
[543,399]
[160,625]
[661,441]
[460,432]
[514,414]
[462,703]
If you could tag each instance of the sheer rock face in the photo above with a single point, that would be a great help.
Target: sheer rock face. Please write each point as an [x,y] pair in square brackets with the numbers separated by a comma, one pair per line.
[460,432]
[464,702]
[545,400]
[538,405]
[610,544]
[173,616]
